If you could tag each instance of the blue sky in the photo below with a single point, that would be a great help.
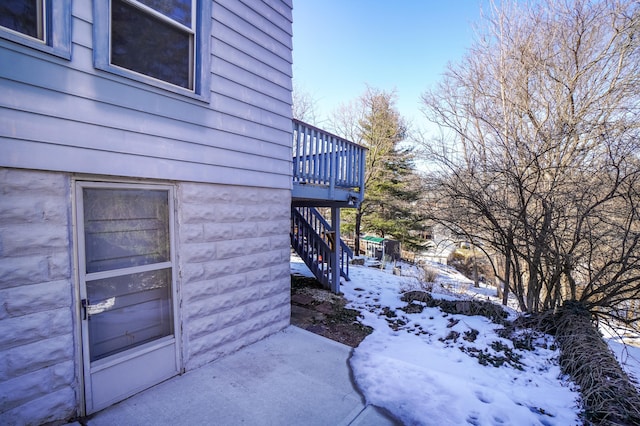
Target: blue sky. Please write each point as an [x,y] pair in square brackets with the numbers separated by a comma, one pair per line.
[340,46]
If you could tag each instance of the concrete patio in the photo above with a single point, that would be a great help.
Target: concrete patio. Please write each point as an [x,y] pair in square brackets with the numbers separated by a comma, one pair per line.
[293,377]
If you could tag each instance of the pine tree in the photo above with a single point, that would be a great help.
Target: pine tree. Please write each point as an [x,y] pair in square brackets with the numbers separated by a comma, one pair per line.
[390,180]
[392,199]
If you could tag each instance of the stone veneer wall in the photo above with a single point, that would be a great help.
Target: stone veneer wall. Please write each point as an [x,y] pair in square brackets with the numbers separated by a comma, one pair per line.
[37,348]
[234,267]
[232,249]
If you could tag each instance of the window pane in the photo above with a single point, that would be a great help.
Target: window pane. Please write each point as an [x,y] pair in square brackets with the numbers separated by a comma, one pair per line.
[125,228]
[178,10]
[142,43]
[23,16]
[128,311]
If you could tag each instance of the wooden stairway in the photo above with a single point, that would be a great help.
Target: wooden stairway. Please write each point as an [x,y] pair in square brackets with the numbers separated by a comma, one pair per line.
[312,237]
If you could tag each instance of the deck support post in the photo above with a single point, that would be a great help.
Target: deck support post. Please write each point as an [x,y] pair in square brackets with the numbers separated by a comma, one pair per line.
[335,250]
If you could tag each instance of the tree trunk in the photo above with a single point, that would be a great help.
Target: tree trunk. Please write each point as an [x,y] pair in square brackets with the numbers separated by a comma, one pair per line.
[356,243]
[476,282]
[507,277]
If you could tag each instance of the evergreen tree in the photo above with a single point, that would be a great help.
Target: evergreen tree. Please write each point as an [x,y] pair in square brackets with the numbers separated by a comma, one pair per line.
[391,187]
[392,199]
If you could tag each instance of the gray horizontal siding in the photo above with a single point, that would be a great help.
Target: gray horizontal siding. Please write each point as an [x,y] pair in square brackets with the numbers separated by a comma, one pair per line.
[275,13]
[253,27]
[270,70]
[48,156]
[170,118]
[83,135]
[68,116]
[249,80]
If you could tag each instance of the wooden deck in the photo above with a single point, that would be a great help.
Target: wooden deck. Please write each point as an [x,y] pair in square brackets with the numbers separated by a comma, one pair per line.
[327,169]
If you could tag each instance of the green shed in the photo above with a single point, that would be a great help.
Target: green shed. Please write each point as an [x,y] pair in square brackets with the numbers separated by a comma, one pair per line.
[378,247]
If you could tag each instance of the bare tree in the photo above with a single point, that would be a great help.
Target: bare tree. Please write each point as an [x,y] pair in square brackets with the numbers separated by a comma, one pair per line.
[541,163]
[304,106]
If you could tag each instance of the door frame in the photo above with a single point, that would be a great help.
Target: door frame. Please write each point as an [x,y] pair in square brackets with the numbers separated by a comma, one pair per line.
[83,363]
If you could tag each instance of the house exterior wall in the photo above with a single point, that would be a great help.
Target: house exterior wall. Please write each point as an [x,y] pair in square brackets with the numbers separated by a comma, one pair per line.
[38,375]
[233,254]
[90,121]
[233,283]
[228,158]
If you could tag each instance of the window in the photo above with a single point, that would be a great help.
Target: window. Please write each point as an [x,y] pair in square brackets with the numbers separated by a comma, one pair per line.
[126,265]
[23,16]
[159,42]
[38,24]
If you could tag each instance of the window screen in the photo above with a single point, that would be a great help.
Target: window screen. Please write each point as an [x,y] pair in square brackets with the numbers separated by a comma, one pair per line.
[128,267]
[125,228]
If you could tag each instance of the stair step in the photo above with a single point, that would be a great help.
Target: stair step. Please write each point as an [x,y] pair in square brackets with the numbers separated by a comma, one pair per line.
[311,242]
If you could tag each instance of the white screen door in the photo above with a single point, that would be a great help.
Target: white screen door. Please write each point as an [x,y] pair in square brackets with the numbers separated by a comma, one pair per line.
[127,290]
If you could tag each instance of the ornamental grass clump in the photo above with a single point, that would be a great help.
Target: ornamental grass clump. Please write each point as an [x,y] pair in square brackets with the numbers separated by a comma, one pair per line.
[608,395]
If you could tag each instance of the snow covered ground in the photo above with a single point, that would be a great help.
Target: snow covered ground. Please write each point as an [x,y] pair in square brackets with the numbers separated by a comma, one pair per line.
[627,349]
[426,369]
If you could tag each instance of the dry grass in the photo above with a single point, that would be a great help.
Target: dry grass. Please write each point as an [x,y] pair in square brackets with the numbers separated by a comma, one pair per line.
[430,274]
[608,395]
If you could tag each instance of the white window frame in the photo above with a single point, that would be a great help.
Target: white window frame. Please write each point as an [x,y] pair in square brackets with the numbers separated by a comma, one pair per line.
[56,40]
[201,52]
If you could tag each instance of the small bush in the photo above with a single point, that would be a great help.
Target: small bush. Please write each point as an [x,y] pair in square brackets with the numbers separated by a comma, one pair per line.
[430,274]
[465,262]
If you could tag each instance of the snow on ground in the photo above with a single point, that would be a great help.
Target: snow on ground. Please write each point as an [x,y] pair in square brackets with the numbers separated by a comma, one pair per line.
[424,378]
[424,367]
[626,346]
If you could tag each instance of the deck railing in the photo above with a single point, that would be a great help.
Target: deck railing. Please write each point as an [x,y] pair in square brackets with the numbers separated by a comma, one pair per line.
[311,237]
[326,232]
[322,158]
